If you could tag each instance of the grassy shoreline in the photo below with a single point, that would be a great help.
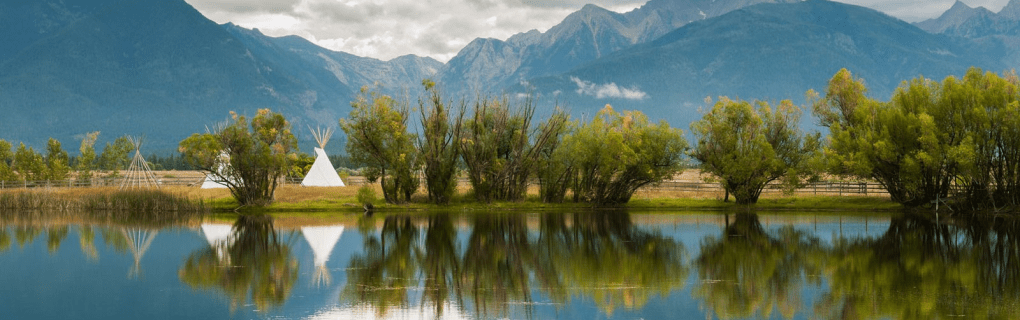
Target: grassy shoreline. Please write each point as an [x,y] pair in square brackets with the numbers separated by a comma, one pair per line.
[343,200]
[798,203]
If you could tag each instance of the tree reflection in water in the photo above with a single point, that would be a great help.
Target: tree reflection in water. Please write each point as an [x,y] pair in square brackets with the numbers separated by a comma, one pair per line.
[916,270]
[600,257]
[382,276]
[25,234]
[922,270]
[5,239]
[259,265]
[746,272]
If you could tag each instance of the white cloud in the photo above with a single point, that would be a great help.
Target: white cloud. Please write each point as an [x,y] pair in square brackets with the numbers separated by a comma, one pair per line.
[918,10]
[608,90]
[386,29]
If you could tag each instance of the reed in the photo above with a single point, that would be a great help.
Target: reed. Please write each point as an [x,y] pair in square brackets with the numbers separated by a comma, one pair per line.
[132,202]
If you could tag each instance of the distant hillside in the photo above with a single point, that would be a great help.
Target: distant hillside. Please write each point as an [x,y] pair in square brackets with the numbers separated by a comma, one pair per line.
[766,51]
[161,69]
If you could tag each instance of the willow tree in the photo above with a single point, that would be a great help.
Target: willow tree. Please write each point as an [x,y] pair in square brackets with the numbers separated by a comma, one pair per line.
[928,138]
[747,148]
[439,145]
[617,153]
[115,155]
[6,156]
[981,112]
[28,164]
[86,161]
[248,157]
[377,138]
[501,146]
[56,161]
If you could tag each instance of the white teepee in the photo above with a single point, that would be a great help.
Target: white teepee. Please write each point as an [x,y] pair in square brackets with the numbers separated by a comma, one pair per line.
[211,180]
[322,173]
[138,174]
[322,240]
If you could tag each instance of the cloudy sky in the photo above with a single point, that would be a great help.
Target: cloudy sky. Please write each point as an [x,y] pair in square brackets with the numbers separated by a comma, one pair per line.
[386,29]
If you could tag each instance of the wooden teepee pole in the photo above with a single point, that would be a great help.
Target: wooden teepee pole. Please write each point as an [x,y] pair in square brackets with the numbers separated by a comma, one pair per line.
[139,175]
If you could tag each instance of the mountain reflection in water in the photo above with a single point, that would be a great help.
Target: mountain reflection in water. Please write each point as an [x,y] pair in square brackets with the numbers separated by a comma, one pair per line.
[602,264]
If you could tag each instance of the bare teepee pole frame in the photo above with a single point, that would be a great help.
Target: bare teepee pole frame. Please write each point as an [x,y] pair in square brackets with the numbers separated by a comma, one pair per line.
[321,136]
[138,174]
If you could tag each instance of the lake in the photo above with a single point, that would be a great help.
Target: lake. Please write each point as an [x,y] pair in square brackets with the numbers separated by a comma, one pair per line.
[572,265]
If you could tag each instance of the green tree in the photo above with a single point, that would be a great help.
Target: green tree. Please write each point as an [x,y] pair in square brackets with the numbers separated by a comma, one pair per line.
[56,161]
[377,138]
[115,155]
[617,153]
[301,165]
[29,164]
[500,146]
[6,174]
[86,161]
[555,170]
[980,117]
[748,148]
[928,138]
[250,158]
[439,146]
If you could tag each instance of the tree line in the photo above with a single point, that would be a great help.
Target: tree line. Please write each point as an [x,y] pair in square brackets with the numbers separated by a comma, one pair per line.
[958,139]
[954,142]
[24,163]
[501,148]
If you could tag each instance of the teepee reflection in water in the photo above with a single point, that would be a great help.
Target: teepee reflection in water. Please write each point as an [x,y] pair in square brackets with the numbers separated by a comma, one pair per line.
[219,236]
[138,242]
[322,240]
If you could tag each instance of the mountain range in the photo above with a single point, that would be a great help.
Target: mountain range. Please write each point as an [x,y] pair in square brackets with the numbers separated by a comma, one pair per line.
[962,20]
[159,68]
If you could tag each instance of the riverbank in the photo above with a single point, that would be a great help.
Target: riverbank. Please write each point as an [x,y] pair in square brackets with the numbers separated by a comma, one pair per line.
[302,199]
[294,198]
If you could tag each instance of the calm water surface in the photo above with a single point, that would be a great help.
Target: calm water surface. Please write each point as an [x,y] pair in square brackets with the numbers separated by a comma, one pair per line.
[590,265]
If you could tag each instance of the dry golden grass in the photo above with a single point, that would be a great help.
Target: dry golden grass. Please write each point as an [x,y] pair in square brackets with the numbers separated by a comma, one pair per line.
[296,193]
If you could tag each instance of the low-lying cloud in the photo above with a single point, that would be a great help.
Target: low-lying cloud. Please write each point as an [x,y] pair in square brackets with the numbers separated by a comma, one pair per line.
[607,90]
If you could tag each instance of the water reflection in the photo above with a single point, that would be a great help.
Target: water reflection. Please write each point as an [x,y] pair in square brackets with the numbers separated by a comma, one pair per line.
[255,263]
[917,269]
[747,272]
[922,270]
[501,264]
[580,265]
[5,239]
